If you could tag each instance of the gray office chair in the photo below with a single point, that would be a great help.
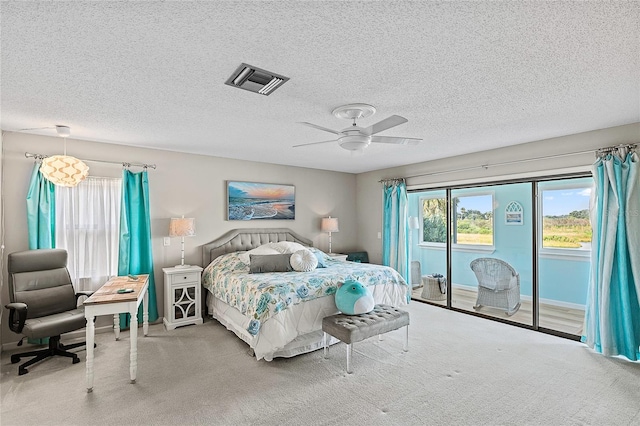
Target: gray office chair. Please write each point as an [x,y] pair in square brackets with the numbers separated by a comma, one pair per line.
[43,303]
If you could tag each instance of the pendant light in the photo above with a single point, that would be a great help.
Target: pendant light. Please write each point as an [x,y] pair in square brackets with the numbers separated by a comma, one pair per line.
[64,170]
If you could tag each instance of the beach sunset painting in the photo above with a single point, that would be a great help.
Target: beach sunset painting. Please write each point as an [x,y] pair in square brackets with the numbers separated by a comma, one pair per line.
[253,201]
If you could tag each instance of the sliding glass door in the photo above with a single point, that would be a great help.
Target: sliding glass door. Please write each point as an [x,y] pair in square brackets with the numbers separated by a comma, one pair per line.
[499,251]
[491,251]
[564,250]
[428,228]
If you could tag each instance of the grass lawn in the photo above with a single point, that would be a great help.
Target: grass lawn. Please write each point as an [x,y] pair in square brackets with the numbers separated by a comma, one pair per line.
[481,239]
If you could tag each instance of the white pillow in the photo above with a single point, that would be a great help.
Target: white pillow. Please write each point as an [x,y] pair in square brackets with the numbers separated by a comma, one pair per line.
[286,247]
[263,249]
[303,261]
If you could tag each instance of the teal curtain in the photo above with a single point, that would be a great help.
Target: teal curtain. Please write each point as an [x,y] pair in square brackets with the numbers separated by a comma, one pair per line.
[41,219]
[41,211]
[612,317]
[395,244]
[135,255]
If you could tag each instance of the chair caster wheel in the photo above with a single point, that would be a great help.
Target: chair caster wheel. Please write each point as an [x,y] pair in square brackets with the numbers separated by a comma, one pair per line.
[75,360]
[15,359]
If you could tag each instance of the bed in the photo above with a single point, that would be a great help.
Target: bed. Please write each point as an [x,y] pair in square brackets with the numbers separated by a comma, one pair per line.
[279,314]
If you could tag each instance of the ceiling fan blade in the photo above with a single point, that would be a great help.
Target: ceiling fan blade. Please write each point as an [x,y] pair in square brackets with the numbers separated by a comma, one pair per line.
[387,123]
[395,140]
[315,126]
[313,143]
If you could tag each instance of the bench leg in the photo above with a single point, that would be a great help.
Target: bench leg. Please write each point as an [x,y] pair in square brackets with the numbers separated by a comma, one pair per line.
[349,353]
[405,346]
[325,345]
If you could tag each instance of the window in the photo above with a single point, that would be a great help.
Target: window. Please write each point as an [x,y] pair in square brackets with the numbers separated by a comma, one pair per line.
[565,215]
[434,219]
[473,223]
[88,227]
[474,220]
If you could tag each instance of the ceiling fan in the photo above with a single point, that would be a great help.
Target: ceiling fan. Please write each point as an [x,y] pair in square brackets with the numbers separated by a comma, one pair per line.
[355,138]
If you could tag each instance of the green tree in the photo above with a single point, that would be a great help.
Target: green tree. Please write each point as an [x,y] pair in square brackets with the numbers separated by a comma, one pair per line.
[580,214]
[434,230]
[434,214]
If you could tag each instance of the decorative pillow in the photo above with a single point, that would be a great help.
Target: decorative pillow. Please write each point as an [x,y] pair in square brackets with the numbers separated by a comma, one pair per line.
[322,259]
[287,246]
[352,298]
[263,249]
[303,261]
[269,263]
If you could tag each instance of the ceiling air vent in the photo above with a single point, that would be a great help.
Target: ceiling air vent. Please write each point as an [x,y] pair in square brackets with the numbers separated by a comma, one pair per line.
[255,79]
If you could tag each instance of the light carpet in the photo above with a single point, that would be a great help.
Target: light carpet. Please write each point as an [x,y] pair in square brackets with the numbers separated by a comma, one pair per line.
[460,370]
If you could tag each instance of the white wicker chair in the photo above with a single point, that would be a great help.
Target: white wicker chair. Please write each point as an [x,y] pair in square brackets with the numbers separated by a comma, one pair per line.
[498,284]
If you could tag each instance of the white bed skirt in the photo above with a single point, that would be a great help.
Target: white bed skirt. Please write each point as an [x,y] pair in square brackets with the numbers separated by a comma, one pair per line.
[297,329]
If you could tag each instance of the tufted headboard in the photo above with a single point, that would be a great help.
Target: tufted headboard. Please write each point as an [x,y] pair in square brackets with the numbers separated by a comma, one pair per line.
[247,239]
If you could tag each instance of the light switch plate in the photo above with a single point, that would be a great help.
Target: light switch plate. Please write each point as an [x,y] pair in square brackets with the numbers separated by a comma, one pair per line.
[166,241]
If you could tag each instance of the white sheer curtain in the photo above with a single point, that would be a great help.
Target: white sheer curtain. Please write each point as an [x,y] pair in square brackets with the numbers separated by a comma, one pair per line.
[87,226]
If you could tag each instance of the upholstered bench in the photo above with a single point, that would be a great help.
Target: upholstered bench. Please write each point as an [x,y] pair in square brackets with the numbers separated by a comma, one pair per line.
[355,328]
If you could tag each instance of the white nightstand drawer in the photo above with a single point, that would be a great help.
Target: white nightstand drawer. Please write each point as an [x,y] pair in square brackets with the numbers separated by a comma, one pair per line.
[186,277]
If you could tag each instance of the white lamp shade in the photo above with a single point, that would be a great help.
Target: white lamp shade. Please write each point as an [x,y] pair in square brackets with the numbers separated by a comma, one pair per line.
[329,224]
[414,222]
[182,227]
[64,170]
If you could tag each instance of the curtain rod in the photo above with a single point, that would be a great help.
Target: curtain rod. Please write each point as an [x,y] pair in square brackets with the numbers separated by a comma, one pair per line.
[613,148]
[526,160]
[123,163]
[391,180]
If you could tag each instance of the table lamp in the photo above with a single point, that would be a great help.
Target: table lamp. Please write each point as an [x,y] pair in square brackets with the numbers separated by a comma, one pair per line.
[329,224]
[182,227]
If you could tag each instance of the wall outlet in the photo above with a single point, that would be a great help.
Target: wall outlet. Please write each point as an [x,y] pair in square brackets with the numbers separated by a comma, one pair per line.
[379,235]
[166,241]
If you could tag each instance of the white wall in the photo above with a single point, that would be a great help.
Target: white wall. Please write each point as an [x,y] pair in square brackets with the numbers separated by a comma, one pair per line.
[193,185]
[430,174]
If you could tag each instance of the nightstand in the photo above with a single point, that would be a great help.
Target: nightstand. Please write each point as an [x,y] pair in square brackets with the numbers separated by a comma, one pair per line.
[182,290]
[338,256]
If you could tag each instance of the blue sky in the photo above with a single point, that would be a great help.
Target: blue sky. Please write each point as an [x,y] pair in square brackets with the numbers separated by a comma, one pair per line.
[556,202]
[559,202]
[482,203]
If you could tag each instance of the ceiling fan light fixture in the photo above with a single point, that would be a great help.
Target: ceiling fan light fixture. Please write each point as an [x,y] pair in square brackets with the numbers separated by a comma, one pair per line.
[354,142]
[356,138]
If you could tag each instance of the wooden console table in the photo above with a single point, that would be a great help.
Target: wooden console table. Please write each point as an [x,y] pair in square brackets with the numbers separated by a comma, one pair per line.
[106,300]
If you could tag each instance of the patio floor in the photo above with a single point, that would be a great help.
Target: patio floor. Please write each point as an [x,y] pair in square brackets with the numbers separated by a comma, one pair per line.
[554,317]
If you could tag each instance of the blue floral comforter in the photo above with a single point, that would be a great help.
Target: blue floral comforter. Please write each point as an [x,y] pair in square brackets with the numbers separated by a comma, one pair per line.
[260,296]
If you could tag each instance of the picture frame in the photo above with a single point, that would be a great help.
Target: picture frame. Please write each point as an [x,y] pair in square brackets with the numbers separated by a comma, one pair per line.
[514,214]
[260,201]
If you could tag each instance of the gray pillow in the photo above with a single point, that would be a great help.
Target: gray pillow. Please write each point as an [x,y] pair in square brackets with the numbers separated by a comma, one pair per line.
[269,263]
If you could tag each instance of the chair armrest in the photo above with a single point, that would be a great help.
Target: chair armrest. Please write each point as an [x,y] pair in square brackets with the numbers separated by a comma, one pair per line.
[87,293]
[17,324]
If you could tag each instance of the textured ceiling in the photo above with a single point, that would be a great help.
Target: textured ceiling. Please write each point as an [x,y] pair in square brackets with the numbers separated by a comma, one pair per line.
[469,76]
